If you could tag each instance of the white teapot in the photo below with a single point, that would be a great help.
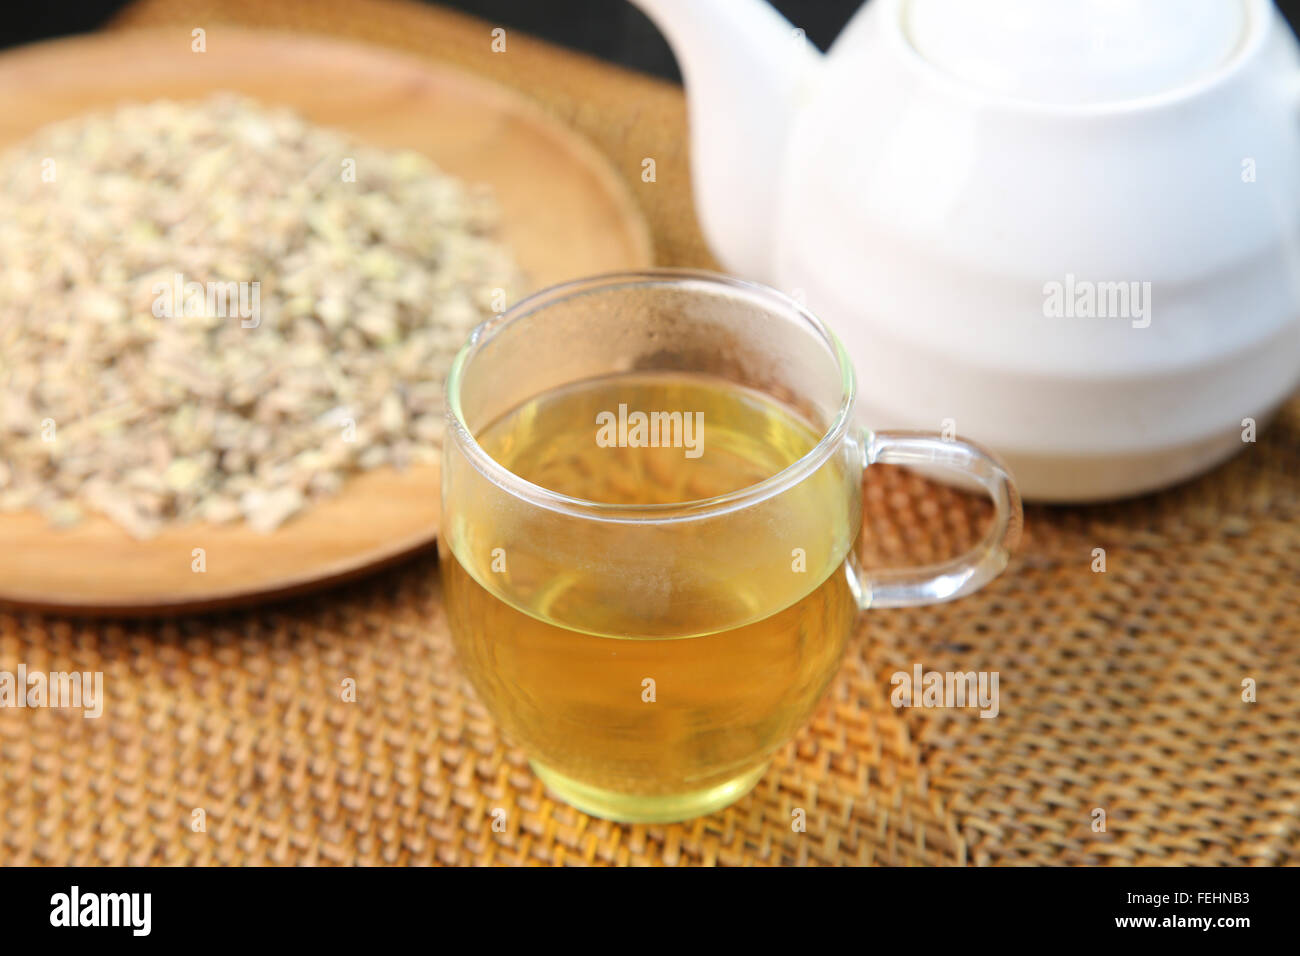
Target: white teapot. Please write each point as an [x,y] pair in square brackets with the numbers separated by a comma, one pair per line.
[1069,229]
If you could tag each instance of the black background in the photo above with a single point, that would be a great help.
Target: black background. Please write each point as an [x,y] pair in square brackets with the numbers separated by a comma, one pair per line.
[613,29]
[338,910]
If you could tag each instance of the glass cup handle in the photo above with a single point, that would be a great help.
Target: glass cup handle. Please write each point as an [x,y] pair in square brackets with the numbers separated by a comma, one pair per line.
[907,587]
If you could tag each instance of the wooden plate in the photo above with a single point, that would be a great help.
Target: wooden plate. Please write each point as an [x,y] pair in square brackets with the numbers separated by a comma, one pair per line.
[566,214]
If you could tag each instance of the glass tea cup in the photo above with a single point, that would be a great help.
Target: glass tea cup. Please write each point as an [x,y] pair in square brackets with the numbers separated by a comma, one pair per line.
[651,505]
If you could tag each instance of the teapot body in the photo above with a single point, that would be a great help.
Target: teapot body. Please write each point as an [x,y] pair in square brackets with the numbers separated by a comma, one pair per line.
[1105,293]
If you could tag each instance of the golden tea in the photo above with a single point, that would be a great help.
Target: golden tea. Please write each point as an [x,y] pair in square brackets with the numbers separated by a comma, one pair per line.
[663,695]
[652,491]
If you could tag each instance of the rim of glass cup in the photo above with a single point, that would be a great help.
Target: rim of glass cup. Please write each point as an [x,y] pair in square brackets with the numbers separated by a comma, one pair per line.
[767,297]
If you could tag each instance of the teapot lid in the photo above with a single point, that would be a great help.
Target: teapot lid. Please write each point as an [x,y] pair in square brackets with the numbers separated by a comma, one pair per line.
[1076,51]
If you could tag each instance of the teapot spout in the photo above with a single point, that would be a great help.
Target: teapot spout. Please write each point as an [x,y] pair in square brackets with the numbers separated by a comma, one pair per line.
[747,72]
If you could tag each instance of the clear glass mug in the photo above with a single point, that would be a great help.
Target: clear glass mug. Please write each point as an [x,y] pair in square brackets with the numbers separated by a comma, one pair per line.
[650,651]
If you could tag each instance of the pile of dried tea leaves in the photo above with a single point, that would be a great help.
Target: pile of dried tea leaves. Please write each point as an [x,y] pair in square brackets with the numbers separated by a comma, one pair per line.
[217,311]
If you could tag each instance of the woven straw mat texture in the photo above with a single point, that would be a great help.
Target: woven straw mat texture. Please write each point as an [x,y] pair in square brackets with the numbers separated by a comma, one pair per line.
[1120,691]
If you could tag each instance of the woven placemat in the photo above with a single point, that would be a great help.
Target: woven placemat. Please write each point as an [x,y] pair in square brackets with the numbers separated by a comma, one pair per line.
[1120,691]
